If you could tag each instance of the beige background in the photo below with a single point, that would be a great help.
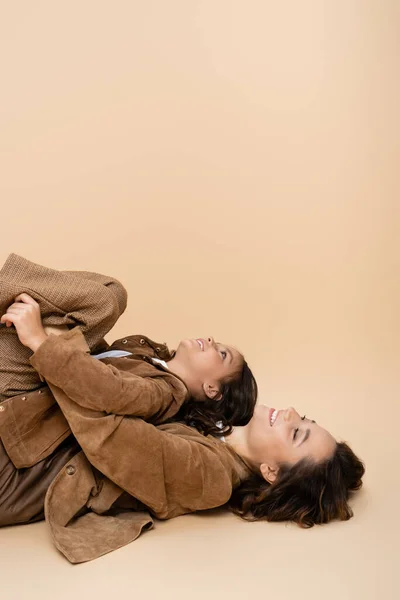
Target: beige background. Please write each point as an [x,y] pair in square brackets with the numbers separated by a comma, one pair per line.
[235,164]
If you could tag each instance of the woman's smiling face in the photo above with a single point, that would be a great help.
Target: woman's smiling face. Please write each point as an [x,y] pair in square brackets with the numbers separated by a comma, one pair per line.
[278,437]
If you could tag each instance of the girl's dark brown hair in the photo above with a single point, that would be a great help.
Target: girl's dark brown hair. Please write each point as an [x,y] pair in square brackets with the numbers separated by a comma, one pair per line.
[236,406]
[306,493]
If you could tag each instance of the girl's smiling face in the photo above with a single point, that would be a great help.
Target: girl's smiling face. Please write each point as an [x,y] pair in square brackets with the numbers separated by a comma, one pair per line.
[207,364]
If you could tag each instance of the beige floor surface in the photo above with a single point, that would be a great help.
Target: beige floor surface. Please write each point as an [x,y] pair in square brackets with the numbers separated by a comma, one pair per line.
[208,555]
[236,165]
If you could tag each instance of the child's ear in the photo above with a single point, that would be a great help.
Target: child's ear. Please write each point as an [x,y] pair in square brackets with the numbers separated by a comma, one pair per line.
[212,391]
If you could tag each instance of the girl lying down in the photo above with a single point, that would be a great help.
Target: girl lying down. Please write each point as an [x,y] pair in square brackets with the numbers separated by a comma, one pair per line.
[159,433]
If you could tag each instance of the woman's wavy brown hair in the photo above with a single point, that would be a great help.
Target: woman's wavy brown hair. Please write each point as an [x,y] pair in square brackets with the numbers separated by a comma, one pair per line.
[307,493]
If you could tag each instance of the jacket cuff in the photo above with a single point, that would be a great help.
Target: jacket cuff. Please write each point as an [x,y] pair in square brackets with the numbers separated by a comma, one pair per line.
[72,339]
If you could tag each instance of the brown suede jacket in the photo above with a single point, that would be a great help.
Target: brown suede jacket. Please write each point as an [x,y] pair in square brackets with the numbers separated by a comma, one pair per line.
[131,465]
[32,424]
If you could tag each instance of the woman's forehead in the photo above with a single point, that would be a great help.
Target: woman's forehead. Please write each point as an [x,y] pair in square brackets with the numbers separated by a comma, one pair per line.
[320,442]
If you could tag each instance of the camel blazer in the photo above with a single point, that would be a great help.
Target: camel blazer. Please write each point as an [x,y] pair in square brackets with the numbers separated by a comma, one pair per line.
[91,301]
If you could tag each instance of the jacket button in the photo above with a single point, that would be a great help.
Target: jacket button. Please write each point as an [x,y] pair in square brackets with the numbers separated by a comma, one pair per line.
[70,469]
[142,342]
[23,398]
[40,392]
[124,342]
[2,408]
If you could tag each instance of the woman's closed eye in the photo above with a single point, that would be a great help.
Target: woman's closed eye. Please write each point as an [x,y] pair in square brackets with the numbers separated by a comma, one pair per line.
[296,431]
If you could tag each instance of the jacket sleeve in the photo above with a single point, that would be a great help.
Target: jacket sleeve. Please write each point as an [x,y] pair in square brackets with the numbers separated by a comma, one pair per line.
[64,362]
[90,300]
[169,473]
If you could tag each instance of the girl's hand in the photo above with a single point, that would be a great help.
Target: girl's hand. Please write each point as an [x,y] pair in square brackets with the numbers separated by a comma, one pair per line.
[24,314]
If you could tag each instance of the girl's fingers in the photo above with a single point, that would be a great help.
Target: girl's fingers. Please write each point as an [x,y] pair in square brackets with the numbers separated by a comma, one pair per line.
[26,298]
[18,306]
[8,318]
[15,311]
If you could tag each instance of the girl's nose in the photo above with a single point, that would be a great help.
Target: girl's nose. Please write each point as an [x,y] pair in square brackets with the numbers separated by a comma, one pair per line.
[211,341]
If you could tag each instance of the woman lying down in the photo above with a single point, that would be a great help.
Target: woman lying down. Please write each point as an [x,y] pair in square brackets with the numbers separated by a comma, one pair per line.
[132,456]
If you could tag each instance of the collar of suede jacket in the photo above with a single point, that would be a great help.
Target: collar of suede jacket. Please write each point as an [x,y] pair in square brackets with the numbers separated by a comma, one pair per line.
[142,347]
